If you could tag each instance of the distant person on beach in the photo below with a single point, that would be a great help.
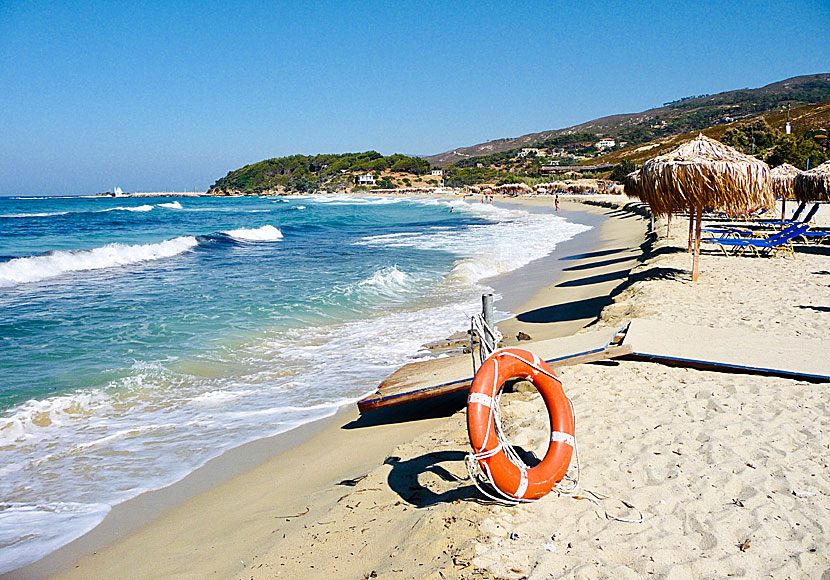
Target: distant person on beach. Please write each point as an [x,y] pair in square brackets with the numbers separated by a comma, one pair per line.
[556,200]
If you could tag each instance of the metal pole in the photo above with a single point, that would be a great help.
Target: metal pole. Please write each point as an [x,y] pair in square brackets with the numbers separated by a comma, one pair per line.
[487,313]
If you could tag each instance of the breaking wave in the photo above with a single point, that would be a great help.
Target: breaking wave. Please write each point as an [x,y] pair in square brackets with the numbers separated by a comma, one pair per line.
[36,268]
[129,208]
[31,215]
[266,233]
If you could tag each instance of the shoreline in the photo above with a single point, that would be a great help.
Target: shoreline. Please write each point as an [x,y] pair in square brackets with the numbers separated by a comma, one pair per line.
[139,525]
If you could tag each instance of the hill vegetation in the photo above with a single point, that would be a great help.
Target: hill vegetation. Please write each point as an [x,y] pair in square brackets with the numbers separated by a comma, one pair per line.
[763,136]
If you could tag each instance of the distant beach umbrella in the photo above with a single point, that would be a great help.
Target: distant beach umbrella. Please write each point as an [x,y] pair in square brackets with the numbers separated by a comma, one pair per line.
[782,179]
[704,173]
[782,182]
[512,188]
[813,185]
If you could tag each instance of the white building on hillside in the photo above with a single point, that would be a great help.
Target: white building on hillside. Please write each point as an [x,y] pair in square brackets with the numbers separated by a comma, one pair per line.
[605,143]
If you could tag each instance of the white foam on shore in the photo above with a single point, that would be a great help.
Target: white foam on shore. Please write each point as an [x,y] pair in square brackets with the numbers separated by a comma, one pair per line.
[36,268]
[45,525]
[513,240]
[266,233]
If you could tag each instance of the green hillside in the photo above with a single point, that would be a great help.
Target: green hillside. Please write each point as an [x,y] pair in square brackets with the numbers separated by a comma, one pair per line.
[306,173]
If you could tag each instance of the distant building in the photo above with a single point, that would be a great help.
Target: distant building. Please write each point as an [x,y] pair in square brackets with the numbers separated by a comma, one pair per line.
[367,179]
[528,150]
[605,143]
[437,172]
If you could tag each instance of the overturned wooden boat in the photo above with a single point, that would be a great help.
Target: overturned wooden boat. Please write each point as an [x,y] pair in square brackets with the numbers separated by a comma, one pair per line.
[431,378]
[658,341]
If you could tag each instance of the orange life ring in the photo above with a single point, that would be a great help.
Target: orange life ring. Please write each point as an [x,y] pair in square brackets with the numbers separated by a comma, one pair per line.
[515,481]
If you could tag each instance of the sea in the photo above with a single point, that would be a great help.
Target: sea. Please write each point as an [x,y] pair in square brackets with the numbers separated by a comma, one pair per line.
[142,337]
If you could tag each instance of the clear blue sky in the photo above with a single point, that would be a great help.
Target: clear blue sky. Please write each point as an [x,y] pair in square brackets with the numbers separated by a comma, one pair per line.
[156,95]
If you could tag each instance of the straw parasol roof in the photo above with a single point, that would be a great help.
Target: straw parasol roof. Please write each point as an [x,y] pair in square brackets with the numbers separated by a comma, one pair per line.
[515,187]
[813,185]
[632,185]
[705,173]
[781,180]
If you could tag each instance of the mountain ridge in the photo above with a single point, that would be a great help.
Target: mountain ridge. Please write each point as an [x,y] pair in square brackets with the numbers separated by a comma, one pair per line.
[673,118]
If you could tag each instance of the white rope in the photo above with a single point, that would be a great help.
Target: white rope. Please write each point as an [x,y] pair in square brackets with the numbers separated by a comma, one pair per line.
[479,328]
[480,474]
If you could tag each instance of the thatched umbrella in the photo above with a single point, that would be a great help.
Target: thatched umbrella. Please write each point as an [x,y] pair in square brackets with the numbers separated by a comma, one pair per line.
[813,185]
[632,186]
[782,179]
[704,173]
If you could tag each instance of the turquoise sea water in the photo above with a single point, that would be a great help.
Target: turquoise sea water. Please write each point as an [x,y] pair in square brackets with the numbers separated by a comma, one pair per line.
[139,338]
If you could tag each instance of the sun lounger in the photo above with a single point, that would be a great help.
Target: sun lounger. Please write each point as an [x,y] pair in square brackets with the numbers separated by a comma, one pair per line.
[769,246]
[794,220]
[728,232]
[816,236]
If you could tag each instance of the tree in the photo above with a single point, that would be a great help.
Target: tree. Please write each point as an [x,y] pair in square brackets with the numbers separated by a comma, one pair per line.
[751,138]
[509,178]
[796,152]
[625,167]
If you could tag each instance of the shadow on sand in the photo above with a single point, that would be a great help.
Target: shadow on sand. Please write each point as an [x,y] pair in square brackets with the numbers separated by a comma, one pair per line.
[403,479]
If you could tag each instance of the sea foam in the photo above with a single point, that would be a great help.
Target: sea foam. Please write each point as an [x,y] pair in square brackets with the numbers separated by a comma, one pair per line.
[171,205]
[512,240]
[31,215]
[139,208]
[36,268]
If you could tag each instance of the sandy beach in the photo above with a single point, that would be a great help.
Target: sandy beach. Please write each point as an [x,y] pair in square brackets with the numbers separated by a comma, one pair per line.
[729,471]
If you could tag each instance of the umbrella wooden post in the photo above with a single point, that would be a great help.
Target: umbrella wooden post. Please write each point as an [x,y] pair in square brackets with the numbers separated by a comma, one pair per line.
[783,209]
[691,227]
[696,262]
[668,226]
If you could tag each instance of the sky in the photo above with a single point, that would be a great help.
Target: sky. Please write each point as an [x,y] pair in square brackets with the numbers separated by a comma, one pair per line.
[171,96]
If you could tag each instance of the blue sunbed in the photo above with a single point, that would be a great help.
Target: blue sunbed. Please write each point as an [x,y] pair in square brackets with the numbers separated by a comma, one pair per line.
[769,246]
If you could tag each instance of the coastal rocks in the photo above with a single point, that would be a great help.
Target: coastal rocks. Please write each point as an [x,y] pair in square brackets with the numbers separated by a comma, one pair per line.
[456,343]
[523,336]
